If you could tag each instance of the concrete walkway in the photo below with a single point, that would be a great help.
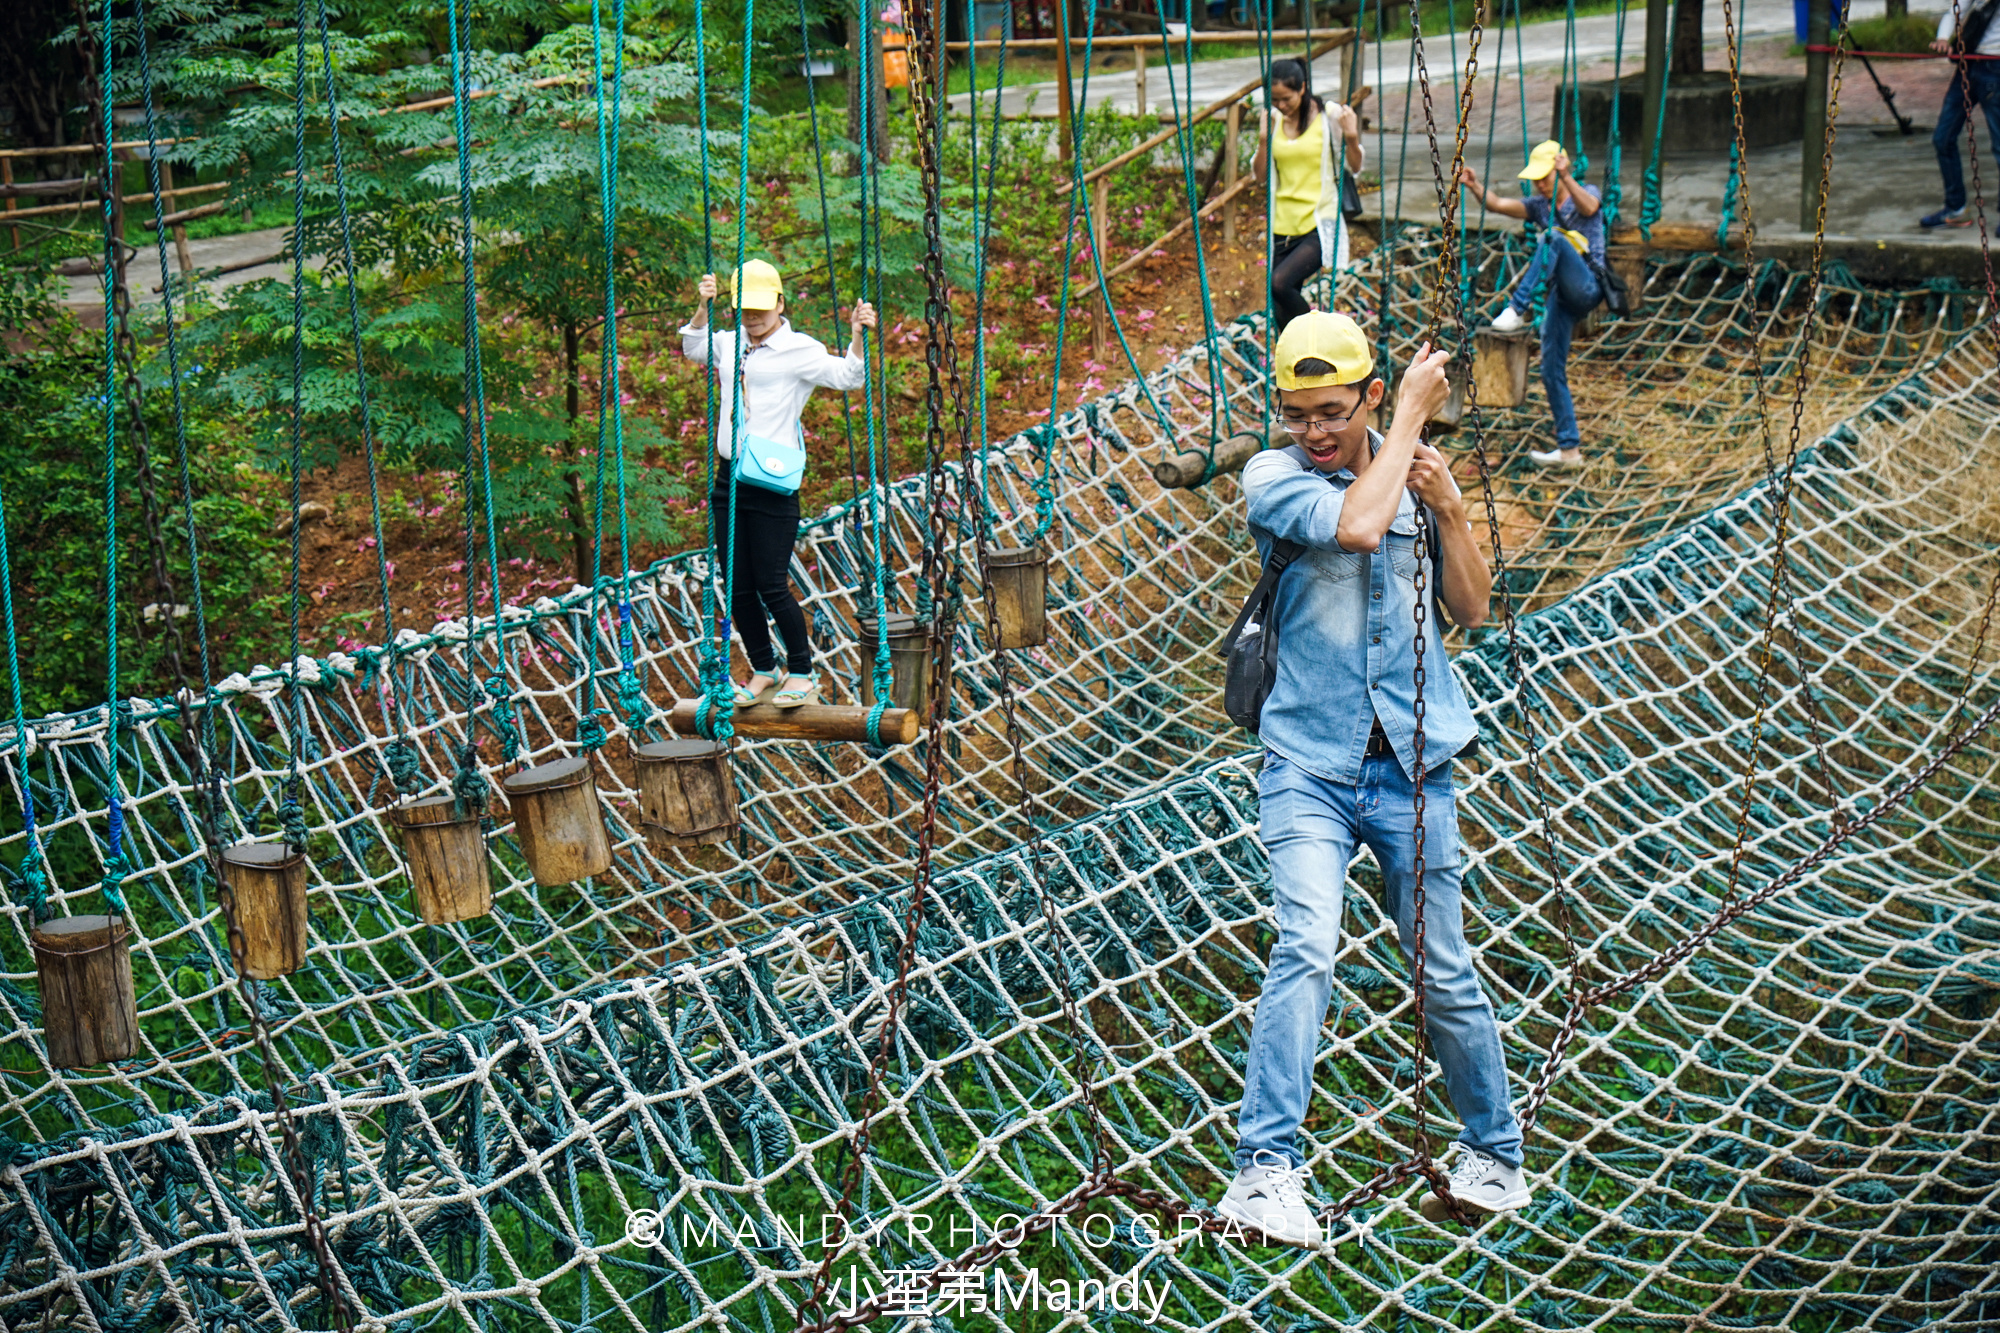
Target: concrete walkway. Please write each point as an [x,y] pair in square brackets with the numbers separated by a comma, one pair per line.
[86,293]
[1390,67]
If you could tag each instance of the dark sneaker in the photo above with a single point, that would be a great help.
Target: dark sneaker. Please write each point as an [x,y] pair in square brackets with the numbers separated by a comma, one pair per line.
[1944,217]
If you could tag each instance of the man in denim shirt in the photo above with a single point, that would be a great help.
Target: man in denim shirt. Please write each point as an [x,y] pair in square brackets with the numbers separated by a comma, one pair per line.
[1339,731]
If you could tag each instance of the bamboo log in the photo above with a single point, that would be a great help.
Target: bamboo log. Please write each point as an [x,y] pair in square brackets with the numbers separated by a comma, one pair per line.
[810,722]
[188,215]
[11,188]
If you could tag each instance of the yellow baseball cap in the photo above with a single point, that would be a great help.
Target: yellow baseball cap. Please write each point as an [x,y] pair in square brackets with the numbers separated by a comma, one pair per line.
[756,286]
[1325,336]
[1542,161]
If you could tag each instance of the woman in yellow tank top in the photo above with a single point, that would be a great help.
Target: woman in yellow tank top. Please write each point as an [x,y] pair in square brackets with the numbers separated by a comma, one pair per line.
[1307,229]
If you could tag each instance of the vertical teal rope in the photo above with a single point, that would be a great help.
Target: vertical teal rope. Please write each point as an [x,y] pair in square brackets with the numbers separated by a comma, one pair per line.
[400,756]
[1650,204]
[468,785]
[34,873]
[291,815]
[1614,152]
[115,869]
[610,407]
[712,718]
[883,677]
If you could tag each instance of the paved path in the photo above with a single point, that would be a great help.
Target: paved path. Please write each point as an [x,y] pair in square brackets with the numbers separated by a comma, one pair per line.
[1539,45]
[86,293]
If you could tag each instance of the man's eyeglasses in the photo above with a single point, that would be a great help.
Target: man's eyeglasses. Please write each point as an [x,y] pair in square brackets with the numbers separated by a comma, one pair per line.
[1323,425]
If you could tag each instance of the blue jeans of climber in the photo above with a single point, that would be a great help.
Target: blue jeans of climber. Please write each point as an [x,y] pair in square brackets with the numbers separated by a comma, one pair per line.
[1312,828]
[1573,293]
[1983,79]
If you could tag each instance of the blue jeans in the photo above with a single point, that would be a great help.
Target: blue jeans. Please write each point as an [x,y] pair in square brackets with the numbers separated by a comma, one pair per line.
[1984,80]
[1311,828]
[1573,293]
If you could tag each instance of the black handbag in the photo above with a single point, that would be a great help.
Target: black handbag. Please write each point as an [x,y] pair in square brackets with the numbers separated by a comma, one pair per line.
[1251,646]
[1350,196]
[1617,297]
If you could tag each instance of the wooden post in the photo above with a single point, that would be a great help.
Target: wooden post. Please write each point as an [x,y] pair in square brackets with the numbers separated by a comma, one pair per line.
[1231,135]
[1500,367]
[1813,151]
[180,228]
[687,793]
[1065,93]
[1354,70]
[1019,577]
[7,178]
[1100,230]
[558,821]
[909,659]
[1657,12]
[1139,54]
[90,1014]
[449,876]
[809,722]
[269,881]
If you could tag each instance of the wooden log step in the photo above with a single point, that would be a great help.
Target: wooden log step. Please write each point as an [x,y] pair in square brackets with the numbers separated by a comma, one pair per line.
[809,722]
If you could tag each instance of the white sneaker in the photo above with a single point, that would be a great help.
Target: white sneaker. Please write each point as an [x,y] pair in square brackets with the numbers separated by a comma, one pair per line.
[1481,1184]
[1508,321]
[1553,458]
[1269,1196]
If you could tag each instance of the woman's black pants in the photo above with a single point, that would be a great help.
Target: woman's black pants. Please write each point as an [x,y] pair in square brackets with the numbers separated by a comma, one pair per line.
[1294,261]
[763,584]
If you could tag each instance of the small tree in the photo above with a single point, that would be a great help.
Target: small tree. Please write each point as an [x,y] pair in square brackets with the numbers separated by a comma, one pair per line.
[539,237]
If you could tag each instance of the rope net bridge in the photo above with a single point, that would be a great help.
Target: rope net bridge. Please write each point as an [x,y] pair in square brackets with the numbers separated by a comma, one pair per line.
[1791,1129]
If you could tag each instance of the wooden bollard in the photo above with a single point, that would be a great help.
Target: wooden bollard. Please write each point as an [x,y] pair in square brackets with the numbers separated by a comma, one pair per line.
[1500,367]
[449,876]
[1019,577]
[812,722]
[559,821]
[1629,263]
[687,793]
[90,1014]
[909,663]
[269,883]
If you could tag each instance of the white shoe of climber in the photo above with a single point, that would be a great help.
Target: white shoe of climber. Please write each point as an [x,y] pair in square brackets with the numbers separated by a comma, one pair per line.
[1482,1184]
[1508,321]
[1269,1196]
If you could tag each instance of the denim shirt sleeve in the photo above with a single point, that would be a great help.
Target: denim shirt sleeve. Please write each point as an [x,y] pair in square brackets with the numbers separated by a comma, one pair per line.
[1293,502]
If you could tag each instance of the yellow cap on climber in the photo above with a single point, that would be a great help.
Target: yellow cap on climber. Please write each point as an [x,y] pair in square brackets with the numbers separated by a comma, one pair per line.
[1321,335]
[1542,161]
[757,286]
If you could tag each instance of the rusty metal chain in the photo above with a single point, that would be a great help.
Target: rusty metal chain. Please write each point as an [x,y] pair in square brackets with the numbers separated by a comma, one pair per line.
[208,781]
[1779,602]
[941,365]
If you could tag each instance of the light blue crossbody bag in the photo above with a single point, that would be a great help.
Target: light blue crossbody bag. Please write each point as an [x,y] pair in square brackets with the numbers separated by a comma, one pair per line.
[770,465]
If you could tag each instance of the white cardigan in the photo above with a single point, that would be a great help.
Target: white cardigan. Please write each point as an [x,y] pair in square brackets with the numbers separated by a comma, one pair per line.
[1332,226]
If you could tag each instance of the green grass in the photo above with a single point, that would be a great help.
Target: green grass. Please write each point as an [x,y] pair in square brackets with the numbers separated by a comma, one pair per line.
[1907,34]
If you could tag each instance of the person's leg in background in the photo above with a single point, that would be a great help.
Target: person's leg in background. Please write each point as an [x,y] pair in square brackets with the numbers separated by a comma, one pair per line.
[1573,291]
[1950,125]
[1986,91]
[1522,299]
[1294,261]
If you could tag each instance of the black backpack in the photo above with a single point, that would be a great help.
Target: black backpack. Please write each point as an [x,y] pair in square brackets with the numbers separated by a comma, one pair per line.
[1251,647]
[1972,29]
